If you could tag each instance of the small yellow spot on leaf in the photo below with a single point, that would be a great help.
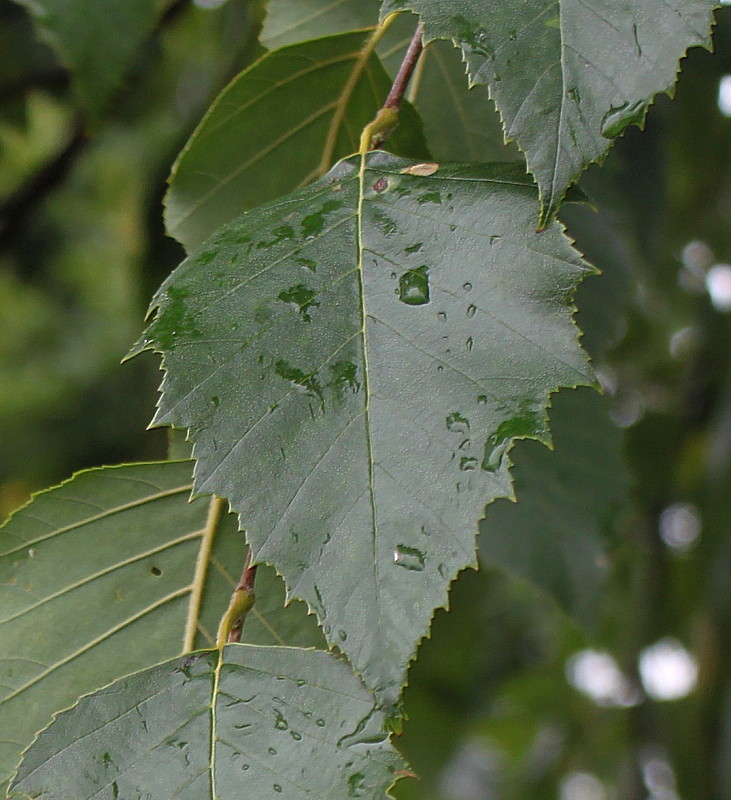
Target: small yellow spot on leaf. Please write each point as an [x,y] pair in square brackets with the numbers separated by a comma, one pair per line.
[421,170]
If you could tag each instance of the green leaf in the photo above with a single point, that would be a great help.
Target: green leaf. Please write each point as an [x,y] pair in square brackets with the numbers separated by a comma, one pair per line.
[97,41]
[460,123]
[567,76]
[558,534]
[98,578]
[354,364]
[278,126]
[290,21]
[259,722]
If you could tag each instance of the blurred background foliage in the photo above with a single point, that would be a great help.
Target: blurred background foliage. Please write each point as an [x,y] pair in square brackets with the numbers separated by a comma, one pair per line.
[598,664]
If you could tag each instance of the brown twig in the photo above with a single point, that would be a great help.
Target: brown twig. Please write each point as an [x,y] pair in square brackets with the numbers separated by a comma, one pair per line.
[376,132]
[406,70]
[242,601]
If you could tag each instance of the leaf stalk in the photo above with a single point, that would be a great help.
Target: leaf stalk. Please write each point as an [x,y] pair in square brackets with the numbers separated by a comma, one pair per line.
[242,601]
[377,131]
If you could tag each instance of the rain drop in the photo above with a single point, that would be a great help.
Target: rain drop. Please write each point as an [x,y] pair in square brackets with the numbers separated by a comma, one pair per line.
[442,315]
[471,311]
[414,287]
[457,423]
[356,785]
[467,287]
[321,723]
[277,788]
[409,558]
[617,119]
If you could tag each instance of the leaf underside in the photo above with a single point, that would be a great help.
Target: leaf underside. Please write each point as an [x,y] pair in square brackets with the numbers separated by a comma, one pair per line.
[567,76]
[262,722]
[128,540]
[353,365]
[278,126]
[460,123]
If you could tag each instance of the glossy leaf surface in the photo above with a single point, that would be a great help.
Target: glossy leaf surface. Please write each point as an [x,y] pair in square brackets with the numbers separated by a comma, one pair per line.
[98,41]
[98,579]
[260,722]
[354,364]
[567,75]
[278,126]
[460,123]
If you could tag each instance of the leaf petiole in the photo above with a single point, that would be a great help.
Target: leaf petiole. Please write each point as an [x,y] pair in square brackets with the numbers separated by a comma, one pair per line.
[376,132]
[242,601]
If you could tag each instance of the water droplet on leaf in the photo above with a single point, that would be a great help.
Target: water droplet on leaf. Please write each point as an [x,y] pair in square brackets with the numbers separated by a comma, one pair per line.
[457,423]
[617,119]
[409,558]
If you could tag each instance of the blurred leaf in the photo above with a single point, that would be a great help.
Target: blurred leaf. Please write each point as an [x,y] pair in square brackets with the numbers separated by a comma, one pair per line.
[558,533]
[567,77]
[267,721]
[278,126]
[98,578]
[97,41]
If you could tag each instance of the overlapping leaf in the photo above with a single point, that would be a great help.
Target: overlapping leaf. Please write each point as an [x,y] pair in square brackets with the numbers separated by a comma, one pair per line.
[97,41]
[98,578]
[354,363]
[460,124]
[279,125]
[260,722]
[567,75]
[558,533]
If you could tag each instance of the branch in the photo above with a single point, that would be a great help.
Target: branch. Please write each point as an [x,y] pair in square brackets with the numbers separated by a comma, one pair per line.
[20,205]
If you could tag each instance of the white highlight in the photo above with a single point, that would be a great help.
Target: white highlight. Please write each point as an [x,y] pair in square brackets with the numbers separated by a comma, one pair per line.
[680,526]
[718,283]
[724,95]
[599,677]
[668,670]
[582,786]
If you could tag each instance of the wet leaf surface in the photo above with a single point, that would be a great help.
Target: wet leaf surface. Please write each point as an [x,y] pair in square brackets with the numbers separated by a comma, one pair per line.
[360,438]
[265,722]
